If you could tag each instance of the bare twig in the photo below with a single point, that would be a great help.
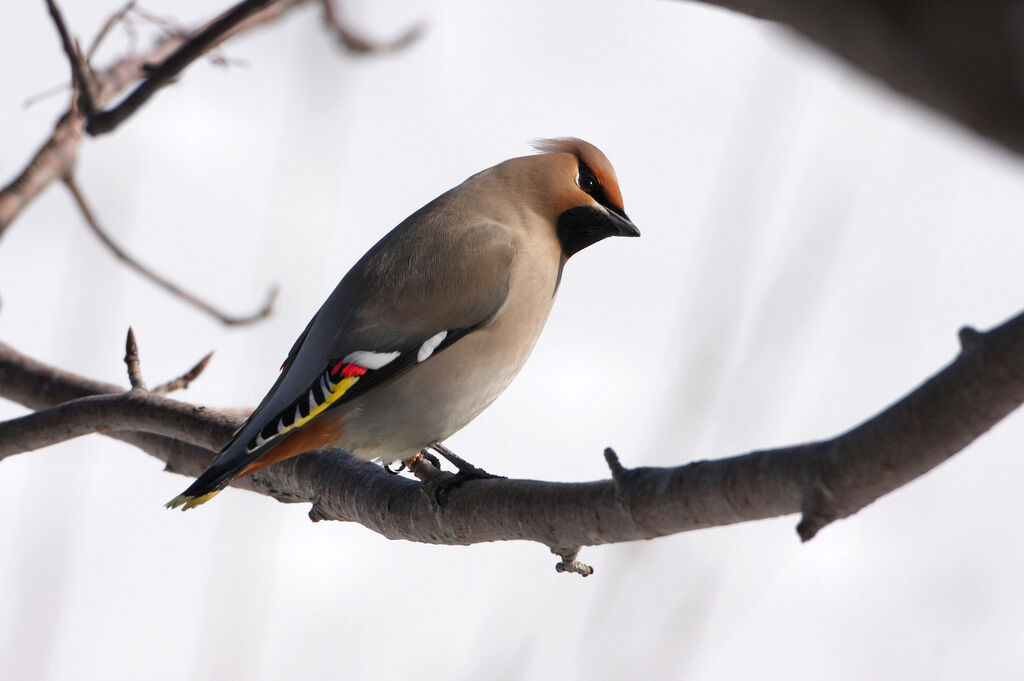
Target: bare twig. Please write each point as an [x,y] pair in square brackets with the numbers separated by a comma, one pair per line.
[115,18]
[165,72]
[55,159]
[824,480]
[80,73]
[131,359]
[44,94]
[136,409]
[169,25]
[183,381]
[357,44]
[159,280]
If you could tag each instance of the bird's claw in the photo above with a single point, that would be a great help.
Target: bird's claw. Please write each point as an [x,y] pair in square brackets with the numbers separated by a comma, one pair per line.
[467,471]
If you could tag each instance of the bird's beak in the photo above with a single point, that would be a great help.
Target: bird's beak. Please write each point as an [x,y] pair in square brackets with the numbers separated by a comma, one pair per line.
[623,225]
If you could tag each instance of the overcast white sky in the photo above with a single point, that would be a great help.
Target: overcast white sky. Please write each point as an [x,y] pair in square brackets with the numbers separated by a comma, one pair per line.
[811,245]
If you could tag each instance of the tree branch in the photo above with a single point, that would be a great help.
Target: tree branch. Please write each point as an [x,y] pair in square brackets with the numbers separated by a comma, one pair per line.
[190,298]
[137,410]
[183,381]
[824,480]
[80,77]
[55,159]
[357,44]
[119,16]
[165,72]
[965,59]
[114,410]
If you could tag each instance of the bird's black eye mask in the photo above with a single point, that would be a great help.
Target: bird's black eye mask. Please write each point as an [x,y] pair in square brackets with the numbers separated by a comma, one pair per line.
[587,181]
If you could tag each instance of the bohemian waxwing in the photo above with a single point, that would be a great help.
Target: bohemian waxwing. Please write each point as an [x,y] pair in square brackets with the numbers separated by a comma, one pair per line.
[435,320]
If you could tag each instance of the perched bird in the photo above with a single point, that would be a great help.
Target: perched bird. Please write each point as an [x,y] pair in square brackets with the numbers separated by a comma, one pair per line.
[435,320]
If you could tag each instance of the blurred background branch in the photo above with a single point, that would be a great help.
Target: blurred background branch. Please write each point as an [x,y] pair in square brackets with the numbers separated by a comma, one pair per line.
[92,91]
[178,292]
[964,59]
[55,159]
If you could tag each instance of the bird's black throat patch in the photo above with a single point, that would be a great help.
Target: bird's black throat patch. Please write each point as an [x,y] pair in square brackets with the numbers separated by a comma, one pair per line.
[583,226]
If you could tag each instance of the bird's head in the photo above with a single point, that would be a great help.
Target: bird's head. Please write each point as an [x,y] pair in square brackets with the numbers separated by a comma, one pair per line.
[581,193]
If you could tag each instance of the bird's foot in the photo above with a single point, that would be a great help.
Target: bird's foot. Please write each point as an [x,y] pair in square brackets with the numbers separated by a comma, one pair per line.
[402,465]
[466,469]
[467,472]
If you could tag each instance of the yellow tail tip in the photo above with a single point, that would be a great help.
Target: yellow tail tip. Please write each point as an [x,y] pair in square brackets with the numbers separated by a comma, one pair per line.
[187,502]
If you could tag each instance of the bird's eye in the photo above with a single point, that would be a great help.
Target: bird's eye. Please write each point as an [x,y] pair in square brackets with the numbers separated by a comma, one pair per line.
[585,180]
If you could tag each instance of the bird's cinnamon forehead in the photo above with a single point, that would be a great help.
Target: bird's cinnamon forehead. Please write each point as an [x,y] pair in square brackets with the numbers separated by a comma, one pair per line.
[593,157]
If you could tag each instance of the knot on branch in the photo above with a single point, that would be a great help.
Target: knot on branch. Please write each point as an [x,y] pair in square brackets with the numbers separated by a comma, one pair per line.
[630,490]
[970,338]
[569,562]
[818,510]
[319,511]
[620,477]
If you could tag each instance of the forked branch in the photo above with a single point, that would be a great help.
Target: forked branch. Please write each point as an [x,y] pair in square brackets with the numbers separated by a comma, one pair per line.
[153,70]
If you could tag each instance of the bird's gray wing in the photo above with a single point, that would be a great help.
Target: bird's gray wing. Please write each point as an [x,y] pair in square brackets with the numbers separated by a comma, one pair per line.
[416,292]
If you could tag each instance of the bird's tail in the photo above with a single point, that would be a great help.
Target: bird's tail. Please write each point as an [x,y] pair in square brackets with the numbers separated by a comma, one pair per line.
[236,460]
[207,485]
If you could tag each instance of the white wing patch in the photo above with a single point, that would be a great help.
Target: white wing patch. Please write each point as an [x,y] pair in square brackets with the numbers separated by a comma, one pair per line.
[429,345]
[371,360]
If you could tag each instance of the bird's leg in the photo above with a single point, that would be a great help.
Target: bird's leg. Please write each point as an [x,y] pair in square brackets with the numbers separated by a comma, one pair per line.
[429,457]
[467,471]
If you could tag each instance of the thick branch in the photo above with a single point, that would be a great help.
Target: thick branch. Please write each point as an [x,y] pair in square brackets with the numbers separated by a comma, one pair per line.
[825,480]
[965,59]
[134,410]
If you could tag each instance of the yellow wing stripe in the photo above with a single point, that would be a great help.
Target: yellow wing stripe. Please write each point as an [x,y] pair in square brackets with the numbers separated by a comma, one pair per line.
[339,389]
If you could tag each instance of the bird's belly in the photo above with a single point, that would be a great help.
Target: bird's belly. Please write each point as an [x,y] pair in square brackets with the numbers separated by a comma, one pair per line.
[438,397]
